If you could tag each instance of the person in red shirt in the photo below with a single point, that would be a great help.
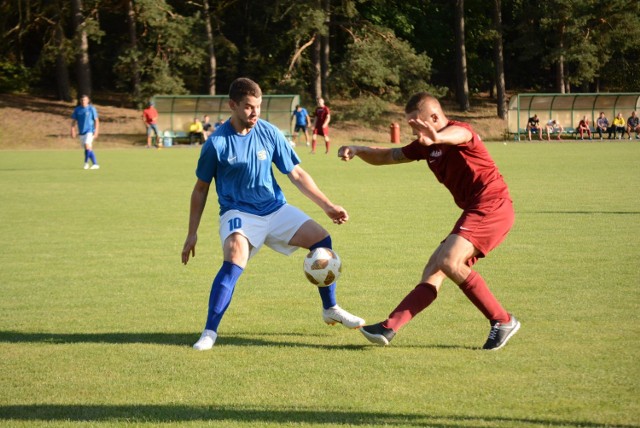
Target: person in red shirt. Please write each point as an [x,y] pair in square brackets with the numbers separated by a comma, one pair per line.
[323,116]
[583,126]
[150,119]
[460,161]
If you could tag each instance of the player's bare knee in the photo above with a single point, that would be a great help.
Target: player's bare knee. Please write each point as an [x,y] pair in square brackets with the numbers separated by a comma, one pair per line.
[452,267]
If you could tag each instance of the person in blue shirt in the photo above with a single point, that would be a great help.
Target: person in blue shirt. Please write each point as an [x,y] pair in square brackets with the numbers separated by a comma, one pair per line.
[302,121]
[85,123]
[254,212]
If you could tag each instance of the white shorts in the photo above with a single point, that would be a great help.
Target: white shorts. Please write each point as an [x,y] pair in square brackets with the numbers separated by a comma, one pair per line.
[87,140]
[274,230]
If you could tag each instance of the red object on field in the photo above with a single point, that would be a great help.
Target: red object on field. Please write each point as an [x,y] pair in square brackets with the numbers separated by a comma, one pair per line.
[394,130]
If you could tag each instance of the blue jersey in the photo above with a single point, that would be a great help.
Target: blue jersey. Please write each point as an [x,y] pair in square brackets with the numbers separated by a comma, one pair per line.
[301,116]
[241,167]
[86,118]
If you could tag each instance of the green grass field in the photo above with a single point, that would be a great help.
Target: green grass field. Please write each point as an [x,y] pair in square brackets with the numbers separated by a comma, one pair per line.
[98,315]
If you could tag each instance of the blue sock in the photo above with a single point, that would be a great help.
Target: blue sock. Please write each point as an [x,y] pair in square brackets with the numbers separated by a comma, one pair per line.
[86,155]
[221,293]
[92,157]
[327,294]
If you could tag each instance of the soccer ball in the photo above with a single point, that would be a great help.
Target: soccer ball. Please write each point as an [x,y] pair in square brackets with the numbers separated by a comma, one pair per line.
[322,266]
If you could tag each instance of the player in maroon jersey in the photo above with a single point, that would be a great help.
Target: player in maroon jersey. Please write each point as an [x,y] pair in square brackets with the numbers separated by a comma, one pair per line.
[323,116]
[459,159]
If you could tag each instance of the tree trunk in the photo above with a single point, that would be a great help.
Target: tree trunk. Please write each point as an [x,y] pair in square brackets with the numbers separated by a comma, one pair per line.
[133,40]
[462,93]
[62,70]
[324,59]
[317,69]
[210,49]
[560,64]
[83,70]
[501,90]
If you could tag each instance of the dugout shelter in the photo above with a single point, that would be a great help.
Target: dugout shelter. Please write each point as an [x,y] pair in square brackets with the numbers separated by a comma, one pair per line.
[176,112]
[568,109]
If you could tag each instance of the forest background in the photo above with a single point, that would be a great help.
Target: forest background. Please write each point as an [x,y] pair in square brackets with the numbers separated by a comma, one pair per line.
[373,52]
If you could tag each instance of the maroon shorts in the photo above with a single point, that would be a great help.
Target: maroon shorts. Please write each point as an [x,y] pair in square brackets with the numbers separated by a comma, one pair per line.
[486,225]
[321,131]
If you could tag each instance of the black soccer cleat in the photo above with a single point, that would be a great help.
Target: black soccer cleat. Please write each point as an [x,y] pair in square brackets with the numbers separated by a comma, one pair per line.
[377,334]
[500,333]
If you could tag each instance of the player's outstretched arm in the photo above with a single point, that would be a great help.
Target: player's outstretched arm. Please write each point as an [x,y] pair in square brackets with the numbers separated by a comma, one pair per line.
[373,155]
[308,187]
[198,202]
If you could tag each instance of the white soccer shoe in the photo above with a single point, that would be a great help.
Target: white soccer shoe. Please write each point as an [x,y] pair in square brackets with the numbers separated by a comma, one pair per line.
[95,166]
[336,314]
[86,166]
[206,341]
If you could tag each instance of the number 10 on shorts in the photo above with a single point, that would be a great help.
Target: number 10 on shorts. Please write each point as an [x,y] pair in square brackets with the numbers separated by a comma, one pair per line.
[234,223]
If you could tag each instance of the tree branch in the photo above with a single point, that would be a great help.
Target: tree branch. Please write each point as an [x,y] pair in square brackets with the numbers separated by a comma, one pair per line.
[287,75]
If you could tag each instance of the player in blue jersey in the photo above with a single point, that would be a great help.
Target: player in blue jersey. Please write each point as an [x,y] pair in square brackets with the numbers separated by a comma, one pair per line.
[253,210]
[302,122]
[85,119]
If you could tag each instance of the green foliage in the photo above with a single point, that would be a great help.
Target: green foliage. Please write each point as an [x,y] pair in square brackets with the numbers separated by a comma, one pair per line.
[378,48]
[380,67]
[167,50]
[13,77]
[622,71]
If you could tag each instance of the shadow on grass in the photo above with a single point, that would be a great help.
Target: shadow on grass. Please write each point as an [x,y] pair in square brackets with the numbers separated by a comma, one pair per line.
[176,339]
[187,339]
[586,212]
[147,413]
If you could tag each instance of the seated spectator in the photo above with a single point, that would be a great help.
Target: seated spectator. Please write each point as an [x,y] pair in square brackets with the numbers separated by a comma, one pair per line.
[602,124]
[554,126]
[583,126]
[633,124]
[196,132]
[207,126]
[533,125]
[618,127]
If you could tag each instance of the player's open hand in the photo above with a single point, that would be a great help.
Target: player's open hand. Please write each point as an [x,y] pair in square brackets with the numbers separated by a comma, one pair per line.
[426,133]
[189,248]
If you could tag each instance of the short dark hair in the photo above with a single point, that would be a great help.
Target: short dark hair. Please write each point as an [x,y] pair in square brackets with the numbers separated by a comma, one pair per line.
[242,87]
[418,100]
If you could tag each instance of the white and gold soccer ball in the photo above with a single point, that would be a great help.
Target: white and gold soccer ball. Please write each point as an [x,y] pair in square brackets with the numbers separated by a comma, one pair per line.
[322,266]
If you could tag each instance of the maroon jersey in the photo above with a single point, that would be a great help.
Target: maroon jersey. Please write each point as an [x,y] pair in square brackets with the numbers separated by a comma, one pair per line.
[466,169]
[321,115]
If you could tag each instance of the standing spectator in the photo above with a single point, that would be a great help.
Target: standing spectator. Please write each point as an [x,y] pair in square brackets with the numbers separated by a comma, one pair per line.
[150,119]
[85,118]
[633,124]
[323,117]
[554,126]
[239,157]
[533,125]
[602,124]
[302,121]
[459,160]
[583,126]
[618,126]
[196,132]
